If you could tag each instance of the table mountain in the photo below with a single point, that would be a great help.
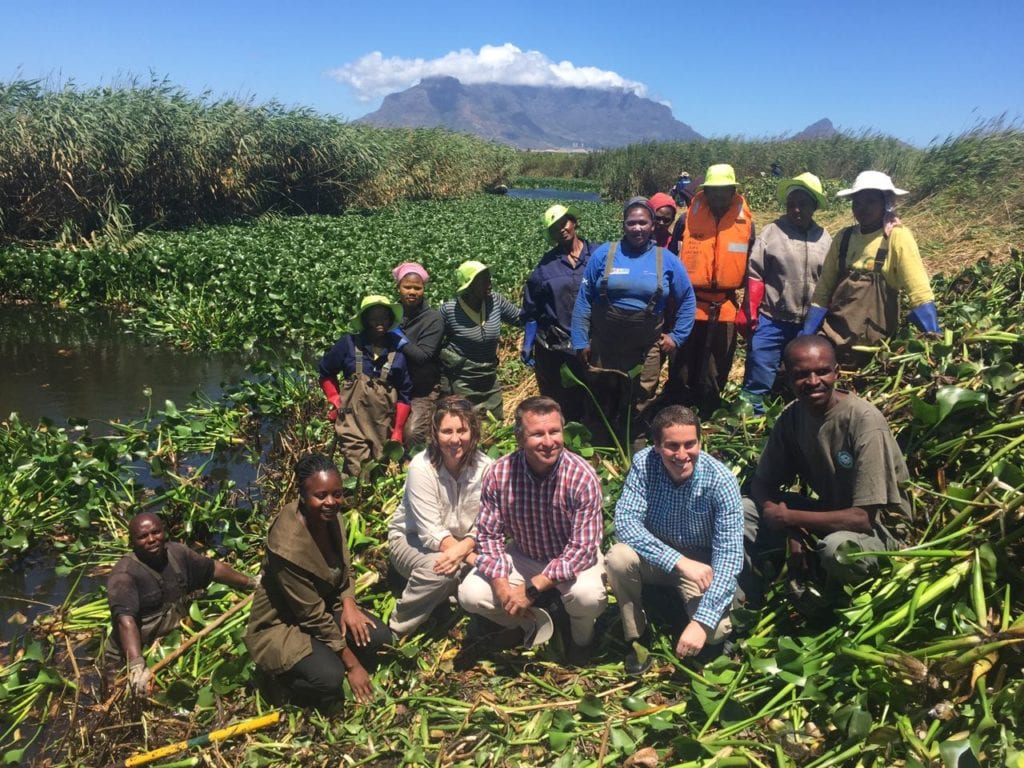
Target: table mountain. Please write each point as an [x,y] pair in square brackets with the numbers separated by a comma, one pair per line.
[532,117]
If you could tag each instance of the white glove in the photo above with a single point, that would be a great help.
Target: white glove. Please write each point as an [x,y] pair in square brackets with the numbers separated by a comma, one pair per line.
[139,677]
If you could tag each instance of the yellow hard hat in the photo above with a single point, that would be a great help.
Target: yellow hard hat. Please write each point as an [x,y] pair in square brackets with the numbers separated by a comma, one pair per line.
[806,181]
[720,175]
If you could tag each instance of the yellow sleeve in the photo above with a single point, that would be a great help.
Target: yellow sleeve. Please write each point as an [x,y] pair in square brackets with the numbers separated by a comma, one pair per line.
[905,270]
[829,274]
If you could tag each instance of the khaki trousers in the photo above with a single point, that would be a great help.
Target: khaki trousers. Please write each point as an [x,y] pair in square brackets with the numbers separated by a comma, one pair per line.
[584,597]
[627,574]
[424,589]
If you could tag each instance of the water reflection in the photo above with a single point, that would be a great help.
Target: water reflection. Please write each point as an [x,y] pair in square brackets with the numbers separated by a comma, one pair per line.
[84,365]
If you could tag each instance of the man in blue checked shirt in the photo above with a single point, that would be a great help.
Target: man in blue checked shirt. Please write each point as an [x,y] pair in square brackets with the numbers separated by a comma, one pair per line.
[679,523]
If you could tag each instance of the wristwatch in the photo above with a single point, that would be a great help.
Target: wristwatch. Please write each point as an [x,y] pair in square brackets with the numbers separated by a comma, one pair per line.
[532,593]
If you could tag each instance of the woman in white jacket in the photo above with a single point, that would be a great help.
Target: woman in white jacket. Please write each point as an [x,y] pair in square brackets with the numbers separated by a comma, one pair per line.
[432,534]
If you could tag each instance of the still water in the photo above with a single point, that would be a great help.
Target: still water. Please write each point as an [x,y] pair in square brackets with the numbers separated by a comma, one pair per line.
[86,367]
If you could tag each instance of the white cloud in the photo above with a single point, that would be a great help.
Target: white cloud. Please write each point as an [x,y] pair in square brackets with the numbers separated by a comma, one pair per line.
[373,76]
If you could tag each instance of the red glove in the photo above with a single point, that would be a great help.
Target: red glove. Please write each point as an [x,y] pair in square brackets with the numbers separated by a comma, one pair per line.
[746,316]
[330,388]
[402,411]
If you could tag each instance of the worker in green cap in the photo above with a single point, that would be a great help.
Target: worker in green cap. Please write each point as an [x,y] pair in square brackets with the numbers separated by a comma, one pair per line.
[372,405]
[472,326]
[548,299]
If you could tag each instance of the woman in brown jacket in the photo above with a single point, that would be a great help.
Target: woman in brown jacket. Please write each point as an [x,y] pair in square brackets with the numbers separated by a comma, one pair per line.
[306,629]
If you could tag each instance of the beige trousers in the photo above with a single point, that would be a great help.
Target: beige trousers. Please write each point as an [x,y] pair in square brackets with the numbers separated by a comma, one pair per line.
[627,574]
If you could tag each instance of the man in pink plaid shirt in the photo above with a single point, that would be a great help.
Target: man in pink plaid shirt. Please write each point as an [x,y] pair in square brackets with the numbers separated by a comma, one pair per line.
[539,529]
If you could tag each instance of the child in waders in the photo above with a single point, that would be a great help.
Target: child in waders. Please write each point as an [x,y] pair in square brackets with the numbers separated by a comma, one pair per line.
[373,403]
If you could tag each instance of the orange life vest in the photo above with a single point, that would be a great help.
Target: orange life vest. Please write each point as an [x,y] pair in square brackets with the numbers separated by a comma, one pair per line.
[715,255]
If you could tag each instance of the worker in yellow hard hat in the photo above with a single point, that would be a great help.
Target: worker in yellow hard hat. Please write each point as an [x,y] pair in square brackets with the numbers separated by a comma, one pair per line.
[717,235]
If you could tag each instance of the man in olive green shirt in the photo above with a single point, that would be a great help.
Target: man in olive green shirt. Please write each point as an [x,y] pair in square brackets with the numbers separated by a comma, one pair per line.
[842,447]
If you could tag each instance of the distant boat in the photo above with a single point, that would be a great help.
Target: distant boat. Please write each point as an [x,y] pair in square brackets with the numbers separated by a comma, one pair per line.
[500,189]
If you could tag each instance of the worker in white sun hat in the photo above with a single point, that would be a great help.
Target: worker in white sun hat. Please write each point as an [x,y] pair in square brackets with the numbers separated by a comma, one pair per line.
[856,301]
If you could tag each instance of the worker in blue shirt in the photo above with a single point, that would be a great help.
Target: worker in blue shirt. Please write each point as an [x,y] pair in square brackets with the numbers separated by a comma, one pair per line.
[629,289]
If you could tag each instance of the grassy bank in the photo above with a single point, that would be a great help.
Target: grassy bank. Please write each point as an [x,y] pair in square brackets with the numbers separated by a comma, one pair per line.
[107,162]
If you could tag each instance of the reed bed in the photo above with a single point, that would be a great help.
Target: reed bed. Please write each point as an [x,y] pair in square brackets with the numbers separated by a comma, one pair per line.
[105,163]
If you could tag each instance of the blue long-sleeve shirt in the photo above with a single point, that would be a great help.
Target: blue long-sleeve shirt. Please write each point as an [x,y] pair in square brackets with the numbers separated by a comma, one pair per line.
[549,295]
[630,287]
[341,359]
[661,520]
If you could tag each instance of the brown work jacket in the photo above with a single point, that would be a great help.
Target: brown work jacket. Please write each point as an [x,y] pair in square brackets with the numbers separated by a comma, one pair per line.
[299,597]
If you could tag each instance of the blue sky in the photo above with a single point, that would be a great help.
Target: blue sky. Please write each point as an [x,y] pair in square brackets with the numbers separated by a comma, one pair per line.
[917,70]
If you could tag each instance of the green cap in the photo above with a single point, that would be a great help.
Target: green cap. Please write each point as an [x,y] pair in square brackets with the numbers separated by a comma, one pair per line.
[806,181]
[720,175]
[369,302]
[552,216]
[467,272]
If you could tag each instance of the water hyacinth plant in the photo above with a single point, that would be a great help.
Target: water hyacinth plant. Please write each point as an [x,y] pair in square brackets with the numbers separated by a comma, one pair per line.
[920,668]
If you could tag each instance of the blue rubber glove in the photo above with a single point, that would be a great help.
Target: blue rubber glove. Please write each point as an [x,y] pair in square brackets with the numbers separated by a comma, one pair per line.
[529,336]
[399,334]
[815,317]
[926,317]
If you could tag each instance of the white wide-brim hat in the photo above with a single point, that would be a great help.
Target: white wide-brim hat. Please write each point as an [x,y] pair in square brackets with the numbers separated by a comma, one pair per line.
[872,180]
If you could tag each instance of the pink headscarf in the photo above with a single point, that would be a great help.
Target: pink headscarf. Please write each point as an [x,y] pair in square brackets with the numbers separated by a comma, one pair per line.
[410,268]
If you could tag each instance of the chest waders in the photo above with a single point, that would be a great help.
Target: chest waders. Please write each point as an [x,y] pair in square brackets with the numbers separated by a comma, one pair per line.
[621,340]
[864,309]
[364,420]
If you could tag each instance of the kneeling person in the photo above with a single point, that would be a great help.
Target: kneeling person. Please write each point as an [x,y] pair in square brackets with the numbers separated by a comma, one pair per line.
[679,523]
[546,502]
[840,446]
[149,590]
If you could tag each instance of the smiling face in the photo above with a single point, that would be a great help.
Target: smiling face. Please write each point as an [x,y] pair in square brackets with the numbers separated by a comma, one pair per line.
[800,208]
[637,227]
[147,535]
[811,370]
[540,437]
[678,447]
[454,438]
[564,231]
[869,209]
[410,291]
[321,497]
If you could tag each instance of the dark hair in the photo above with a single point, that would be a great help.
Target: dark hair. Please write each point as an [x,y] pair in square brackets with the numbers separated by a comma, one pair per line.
[460,407]
[312,464]
[673,416]
[539,404]
[807,342]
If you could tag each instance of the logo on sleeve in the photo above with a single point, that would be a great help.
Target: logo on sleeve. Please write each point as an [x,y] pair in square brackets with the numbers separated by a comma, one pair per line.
[844,459]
